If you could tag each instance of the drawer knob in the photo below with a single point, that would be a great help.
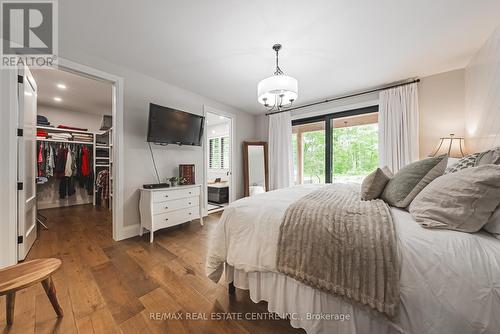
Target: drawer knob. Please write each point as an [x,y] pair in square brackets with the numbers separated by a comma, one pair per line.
[166,195]
[190,213]
[189,193]
[166,207]
[166,219]
[189,202]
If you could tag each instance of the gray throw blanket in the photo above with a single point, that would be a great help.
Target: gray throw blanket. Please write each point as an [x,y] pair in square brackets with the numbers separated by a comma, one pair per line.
[333,241]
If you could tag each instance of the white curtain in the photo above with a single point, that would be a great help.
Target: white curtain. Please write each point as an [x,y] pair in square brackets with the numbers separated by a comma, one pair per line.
[398,126]
[280,151]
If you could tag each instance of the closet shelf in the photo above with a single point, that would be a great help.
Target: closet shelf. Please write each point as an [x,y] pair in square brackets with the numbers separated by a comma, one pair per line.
[102,146]
[49,128]
[65,141]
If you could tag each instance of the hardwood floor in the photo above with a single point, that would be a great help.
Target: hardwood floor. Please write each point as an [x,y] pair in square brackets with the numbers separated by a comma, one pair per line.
[105,286]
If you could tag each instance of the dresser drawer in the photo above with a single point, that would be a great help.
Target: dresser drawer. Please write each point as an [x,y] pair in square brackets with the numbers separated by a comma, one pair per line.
[162,196]
[175,217]
[175,204]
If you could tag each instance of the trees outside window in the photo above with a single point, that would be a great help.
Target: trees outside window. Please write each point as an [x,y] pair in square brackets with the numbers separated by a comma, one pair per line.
[352,148]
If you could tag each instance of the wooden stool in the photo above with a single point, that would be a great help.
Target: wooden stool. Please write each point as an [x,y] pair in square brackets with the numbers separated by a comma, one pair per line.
[26,274]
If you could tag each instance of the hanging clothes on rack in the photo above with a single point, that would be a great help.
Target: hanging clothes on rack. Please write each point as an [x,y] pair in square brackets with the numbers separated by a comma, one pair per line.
[50,165]
[40,159]
[70,163]
[85,161]
[102,184]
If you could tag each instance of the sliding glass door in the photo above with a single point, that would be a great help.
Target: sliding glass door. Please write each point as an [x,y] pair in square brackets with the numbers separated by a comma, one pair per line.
[309,144]
[339,147]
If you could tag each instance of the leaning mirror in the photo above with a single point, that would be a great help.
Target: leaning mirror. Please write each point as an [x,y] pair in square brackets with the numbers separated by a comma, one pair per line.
[255,167]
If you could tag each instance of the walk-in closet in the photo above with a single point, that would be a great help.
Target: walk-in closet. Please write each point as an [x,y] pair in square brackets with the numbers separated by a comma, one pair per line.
[74,148]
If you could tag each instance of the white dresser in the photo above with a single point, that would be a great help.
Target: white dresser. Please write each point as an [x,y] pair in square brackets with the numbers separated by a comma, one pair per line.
[167,207]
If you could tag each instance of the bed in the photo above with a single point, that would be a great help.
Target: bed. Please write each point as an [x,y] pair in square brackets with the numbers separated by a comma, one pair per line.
[449,281]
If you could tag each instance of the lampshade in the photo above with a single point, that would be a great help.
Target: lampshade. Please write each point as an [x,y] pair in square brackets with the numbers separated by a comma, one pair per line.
[452,146]
[270,89]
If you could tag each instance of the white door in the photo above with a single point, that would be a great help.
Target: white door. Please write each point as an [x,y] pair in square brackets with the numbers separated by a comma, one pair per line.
[27,161]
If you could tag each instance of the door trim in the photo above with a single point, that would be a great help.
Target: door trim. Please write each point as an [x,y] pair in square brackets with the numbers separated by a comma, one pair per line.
[119,230]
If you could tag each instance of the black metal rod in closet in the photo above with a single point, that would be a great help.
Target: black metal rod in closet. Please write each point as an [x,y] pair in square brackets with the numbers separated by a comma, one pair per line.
[347,96]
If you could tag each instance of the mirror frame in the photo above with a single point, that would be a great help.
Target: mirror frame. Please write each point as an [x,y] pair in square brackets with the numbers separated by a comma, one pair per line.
[245,164]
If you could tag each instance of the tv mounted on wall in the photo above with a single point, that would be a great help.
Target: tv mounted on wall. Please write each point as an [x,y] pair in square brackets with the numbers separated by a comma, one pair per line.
[172,126]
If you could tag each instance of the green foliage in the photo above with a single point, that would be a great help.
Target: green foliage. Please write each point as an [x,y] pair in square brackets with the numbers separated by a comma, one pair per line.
[355,152]
[314,156]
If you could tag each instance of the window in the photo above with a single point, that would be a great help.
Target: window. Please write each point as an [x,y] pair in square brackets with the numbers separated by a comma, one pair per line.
[340,147]
[309,150]
[225,155]
[219,153]
[354,147]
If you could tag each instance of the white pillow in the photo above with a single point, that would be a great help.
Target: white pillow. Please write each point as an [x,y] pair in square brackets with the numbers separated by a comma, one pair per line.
[493,225]
[452,162]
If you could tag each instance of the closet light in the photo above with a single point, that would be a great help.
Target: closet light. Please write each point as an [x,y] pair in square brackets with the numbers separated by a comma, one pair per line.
[61,86]
[57,99]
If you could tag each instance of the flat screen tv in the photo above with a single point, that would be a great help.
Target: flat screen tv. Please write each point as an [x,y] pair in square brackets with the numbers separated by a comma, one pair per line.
[172,126]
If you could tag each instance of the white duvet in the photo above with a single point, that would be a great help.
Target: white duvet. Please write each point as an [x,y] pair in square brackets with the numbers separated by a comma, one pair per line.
[450,281]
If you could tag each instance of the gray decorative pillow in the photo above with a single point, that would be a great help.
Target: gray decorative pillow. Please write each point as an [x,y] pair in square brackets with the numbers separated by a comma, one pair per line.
[374,183]
[489,157]
[411,179]
[466,162]
[461,201]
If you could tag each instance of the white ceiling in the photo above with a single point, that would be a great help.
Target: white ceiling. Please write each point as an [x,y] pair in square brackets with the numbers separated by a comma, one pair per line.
[82,94]
[221,49]
[213,119]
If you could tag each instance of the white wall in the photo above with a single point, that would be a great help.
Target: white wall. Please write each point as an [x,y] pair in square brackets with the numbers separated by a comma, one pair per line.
[56,117]
[139,91]
[441,99]
[482,96]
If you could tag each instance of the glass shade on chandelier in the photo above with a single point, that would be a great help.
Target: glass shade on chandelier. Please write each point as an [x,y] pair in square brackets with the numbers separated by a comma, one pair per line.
[278,91]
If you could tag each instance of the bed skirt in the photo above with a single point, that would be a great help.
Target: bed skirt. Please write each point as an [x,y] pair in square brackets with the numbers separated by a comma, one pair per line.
[313,310]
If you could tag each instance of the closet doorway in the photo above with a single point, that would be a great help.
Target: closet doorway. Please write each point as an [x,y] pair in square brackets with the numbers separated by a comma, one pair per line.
[219,159]
[74,152]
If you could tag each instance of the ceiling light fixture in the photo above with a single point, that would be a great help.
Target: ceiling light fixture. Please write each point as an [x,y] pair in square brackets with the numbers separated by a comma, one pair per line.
[279,91]
[61,86]
[57,99]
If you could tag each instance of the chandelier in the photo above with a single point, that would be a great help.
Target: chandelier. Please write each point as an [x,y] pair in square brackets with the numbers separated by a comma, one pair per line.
[279,91]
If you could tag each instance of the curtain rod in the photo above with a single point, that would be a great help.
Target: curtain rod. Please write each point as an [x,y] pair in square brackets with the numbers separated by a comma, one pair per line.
[347,96]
